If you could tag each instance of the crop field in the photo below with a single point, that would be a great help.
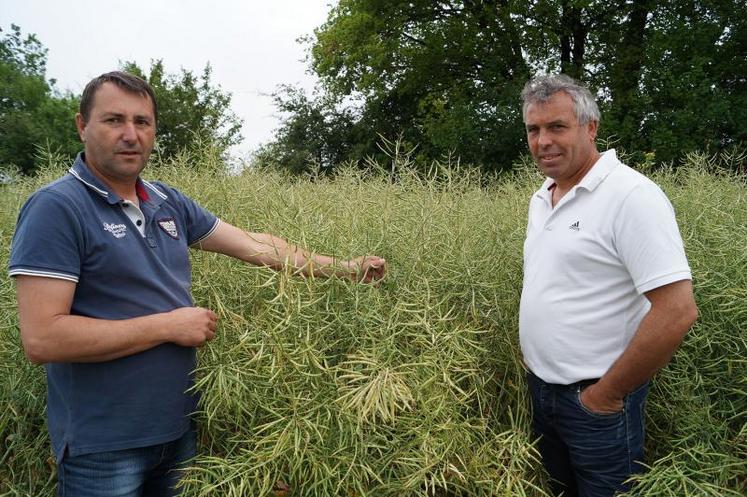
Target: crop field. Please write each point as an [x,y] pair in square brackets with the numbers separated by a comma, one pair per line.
[415,387]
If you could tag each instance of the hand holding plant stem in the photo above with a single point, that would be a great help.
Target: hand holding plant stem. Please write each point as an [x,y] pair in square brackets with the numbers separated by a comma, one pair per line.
[367,269]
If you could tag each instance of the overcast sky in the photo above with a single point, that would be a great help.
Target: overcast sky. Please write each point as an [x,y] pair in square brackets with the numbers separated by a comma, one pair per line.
[250,44]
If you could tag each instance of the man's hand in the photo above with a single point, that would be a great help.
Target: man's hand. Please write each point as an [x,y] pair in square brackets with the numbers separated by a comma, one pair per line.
[191,326]
[593,399]
[370,268]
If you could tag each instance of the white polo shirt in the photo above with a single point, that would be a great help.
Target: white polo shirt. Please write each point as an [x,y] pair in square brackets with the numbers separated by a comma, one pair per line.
[587,264]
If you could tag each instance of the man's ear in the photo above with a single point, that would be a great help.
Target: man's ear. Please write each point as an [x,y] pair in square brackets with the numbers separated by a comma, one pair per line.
[81,125]
[592,128]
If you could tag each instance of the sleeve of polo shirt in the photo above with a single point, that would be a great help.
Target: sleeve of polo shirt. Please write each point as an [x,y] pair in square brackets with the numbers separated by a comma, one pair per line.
[48,240]
[648,239]
[200,222]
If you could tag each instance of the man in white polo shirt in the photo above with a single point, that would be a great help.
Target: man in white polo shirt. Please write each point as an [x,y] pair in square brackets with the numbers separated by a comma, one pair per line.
[607,295]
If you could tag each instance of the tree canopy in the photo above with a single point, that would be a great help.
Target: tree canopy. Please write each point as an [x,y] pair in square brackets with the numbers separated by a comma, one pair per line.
[446,75]
[190,109]
[34,115]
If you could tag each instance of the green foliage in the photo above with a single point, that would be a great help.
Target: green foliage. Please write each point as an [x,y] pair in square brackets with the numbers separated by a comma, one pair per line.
[190,110]
[34,116]
[436,74]
[319,134]
[32,113]
[415,387]
[677,83]
[447,75]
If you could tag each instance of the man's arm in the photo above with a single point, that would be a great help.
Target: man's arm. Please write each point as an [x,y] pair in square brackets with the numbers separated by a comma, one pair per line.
[262,249]
[49,332]
[673,312]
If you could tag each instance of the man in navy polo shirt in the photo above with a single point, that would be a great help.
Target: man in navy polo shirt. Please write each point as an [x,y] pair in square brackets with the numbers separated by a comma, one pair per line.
[103,280]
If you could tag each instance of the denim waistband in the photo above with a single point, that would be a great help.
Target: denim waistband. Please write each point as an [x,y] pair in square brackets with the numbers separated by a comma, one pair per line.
[571,386]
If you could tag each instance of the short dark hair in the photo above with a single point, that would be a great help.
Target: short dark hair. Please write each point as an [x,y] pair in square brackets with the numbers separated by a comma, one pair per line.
[125,81]
[542,88]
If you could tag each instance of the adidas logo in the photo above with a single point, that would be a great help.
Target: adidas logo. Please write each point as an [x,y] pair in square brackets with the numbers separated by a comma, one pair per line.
[575,226]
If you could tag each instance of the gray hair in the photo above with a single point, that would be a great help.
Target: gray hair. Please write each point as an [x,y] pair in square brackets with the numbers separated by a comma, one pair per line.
[542,88]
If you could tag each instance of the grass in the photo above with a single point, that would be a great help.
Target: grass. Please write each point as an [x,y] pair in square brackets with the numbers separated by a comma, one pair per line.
[415,387]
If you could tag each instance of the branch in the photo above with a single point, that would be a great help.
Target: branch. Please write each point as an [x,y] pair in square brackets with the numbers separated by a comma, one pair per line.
[413,39]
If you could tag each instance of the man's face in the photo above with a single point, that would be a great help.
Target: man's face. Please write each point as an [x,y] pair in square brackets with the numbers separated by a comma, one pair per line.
[563,149]
[119,134]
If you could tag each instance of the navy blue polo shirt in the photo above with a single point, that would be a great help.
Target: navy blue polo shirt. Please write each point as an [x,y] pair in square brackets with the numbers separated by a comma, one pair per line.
[76,229]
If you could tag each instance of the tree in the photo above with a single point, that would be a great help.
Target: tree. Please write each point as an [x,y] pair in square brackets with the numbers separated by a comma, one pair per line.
[673,76]
[32,113]
[320,134]
[190,109]
[442,75]
[446,75]
[695,77]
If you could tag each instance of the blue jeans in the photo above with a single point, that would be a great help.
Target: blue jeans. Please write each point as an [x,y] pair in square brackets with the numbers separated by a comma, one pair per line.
[140,472]
[586,454]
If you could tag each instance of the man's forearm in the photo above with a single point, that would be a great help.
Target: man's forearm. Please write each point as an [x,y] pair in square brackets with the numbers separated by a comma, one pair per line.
[50,333]
[264,249]
[278,253]
[69,338]
[659,334]
[653,345]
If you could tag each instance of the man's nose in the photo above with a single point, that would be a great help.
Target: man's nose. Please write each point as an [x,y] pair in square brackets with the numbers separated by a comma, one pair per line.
[543,138]
[129,133]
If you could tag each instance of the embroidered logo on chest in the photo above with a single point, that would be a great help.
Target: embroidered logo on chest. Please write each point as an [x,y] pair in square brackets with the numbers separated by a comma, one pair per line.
[575,226]
[169,226]
[117,230]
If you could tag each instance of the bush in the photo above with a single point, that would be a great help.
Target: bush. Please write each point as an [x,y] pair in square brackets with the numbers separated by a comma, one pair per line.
[415,387]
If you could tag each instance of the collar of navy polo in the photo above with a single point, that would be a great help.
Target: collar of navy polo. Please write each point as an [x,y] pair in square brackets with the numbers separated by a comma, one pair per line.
[144,189]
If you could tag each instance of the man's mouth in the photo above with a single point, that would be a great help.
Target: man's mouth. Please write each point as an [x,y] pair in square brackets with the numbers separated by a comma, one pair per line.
[549,157]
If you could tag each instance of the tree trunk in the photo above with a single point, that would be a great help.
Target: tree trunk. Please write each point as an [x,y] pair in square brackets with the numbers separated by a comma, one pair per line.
[572,40]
